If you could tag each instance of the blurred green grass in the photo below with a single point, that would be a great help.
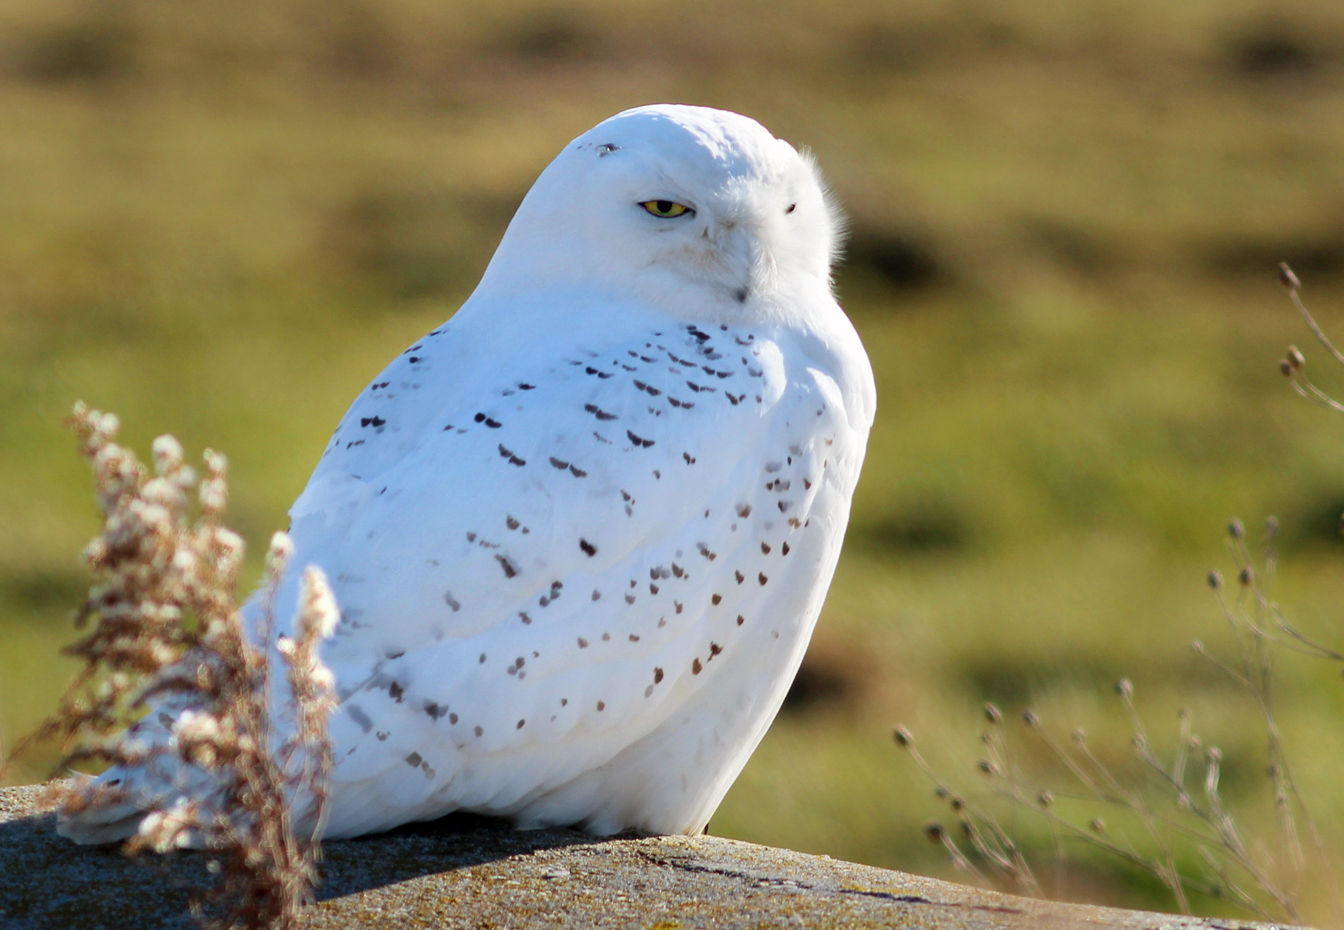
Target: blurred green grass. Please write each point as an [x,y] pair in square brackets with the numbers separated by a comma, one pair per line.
[220,220]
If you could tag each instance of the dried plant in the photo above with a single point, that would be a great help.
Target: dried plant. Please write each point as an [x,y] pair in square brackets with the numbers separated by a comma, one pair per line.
[1293,365]
[176,691]
[1190,840]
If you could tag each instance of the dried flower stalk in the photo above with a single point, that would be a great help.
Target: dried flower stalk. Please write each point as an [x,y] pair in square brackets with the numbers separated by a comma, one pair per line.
[176,693]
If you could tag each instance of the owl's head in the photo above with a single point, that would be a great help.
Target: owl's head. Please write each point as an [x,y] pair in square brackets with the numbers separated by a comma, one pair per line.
[701,212]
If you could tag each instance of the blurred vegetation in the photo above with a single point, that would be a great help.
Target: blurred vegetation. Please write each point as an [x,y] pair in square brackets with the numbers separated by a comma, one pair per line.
[221,219]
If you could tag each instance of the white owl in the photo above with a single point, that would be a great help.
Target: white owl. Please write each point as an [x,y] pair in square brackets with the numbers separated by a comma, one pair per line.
[581,532]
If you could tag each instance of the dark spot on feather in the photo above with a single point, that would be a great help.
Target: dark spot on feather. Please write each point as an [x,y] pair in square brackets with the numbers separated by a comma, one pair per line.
[588,548]
[356,713]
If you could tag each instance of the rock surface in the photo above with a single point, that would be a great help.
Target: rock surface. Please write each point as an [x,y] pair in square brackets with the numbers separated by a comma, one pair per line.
[469,872]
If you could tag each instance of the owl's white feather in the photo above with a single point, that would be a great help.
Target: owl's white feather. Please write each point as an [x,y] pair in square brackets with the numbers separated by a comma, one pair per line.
[580,534]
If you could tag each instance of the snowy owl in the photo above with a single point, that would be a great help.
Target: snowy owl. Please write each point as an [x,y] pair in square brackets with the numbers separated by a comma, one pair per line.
[581,532]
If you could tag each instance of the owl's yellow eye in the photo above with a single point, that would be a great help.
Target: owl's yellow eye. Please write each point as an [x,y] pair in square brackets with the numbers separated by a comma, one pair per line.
[665,208]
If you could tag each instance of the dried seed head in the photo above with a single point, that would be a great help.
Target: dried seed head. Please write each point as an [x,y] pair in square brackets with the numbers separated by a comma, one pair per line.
[1215,754]
[1139,742]
[1097,825]
[992,713]
[935,832]
[987,767]
[1236,530]
[1080,736]
[1045,799]
[1285,368]
[1030,719]
[940,792]
[956,802]
[318,612]
[902,737]
[1215,579]
[278,555]
[1245,576]
[1287,278]
[1295,359]
[1271,526]
[1198,646]
[167,454]
[1125,688]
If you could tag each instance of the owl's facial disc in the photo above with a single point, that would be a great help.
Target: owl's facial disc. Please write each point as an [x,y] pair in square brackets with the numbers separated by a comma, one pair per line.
[701,212]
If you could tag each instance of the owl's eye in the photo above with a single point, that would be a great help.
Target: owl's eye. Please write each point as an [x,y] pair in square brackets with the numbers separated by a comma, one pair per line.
[666,208]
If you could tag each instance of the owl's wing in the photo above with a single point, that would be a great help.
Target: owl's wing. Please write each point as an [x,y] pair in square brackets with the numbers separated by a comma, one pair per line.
[557,554]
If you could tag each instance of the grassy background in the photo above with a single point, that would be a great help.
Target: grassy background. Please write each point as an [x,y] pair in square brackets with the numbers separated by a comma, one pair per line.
[221,220]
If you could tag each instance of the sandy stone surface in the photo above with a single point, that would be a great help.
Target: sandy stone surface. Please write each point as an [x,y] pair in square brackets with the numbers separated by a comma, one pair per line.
[473,873]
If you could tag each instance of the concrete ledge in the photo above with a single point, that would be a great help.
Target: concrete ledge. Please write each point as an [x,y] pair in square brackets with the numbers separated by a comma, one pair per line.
[471,872]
